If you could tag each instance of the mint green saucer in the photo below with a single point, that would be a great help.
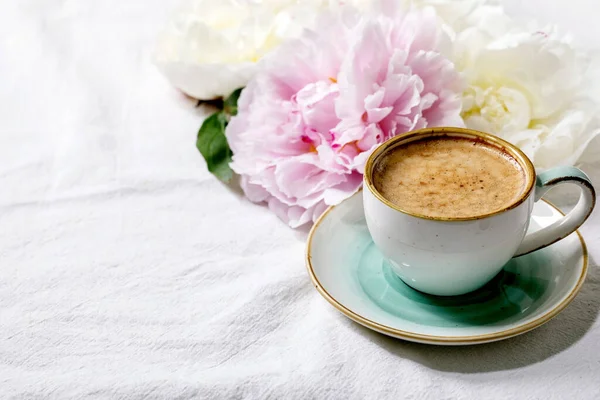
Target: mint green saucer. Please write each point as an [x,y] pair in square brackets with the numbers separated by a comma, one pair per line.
[349,271]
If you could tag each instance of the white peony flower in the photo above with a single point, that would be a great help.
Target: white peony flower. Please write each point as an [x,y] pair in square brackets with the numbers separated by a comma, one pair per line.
[527,85]
[210,48]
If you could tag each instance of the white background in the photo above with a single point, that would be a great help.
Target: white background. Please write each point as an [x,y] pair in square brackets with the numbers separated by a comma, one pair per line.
[127,271]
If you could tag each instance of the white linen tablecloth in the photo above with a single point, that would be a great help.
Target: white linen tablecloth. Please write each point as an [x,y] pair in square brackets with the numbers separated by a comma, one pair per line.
[127,271]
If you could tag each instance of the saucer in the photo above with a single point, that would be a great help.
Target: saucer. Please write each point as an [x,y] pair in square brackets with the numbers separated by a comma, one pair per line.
[349,271]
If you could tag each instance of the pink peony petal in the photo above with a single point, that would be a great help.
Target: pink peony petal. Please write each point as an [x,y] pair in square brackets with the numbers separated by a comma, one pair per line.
[254,192]
[298,178]
[335,195]
[318,210]
[321,104]
[373,136]
[316,103]
[298,216]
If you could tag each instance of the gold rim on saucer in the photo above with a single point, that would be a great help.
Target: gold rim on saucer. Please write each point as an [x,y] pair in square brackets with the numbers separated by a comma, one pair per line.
[434,339]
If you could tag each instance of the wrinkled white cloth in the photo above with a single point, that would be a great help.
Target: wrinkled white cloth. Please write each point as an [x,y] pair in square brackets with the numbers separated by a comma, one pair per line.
[127,271]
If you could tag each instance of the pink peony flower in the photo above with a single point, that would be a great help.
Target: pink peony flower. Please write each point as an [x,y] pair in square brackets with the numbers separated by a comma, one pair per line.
[308,121]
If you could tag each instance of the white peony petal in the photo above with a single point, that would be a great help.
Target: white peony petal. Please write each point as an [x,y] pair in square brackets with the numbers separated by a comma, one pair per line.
[211,48]
[527,84]
[207,81]
[568,139]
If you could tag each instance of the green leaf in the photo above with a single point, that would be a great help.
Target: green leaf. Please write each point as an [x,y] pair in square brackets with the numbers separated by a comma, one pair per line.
[230,104]
[212,142]
[213,146]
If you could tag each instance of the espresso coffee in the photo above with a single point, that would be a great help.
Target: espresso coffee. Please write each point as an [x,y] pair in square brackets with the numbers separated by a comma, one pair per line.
[449,177]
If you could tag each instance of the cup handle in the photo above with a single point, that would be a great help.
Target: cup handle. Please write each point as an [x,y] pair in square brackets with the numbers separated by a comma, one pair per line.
[570,222]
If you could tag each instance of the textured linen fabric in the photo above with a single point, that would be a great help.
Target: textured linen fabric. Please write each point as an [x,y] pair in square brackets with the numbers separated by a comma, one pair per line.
[127,271]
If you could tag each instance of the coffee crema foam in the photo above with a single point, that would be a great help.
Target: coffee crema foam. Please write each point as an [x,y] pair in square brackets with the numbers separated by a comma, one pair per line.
[449,177]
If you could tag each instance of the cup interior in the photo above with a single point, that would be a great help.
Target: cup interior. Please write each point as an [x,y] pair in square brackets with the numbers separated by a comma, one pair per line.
[401,140]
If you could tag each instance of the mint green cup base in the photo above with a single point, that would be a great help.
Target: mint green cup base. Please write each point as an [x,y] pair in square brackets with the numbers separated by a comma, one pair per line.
[349,271]
[510,296]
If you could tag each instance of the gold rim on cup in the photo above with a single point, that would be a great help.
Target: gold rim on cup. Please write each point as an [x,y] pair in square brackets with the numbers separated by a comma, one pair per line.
[495,141]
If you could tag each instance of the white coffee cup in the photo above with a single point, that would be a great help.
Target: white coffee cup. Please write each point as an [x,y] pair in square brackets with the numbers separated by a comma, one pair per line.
[453,256]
